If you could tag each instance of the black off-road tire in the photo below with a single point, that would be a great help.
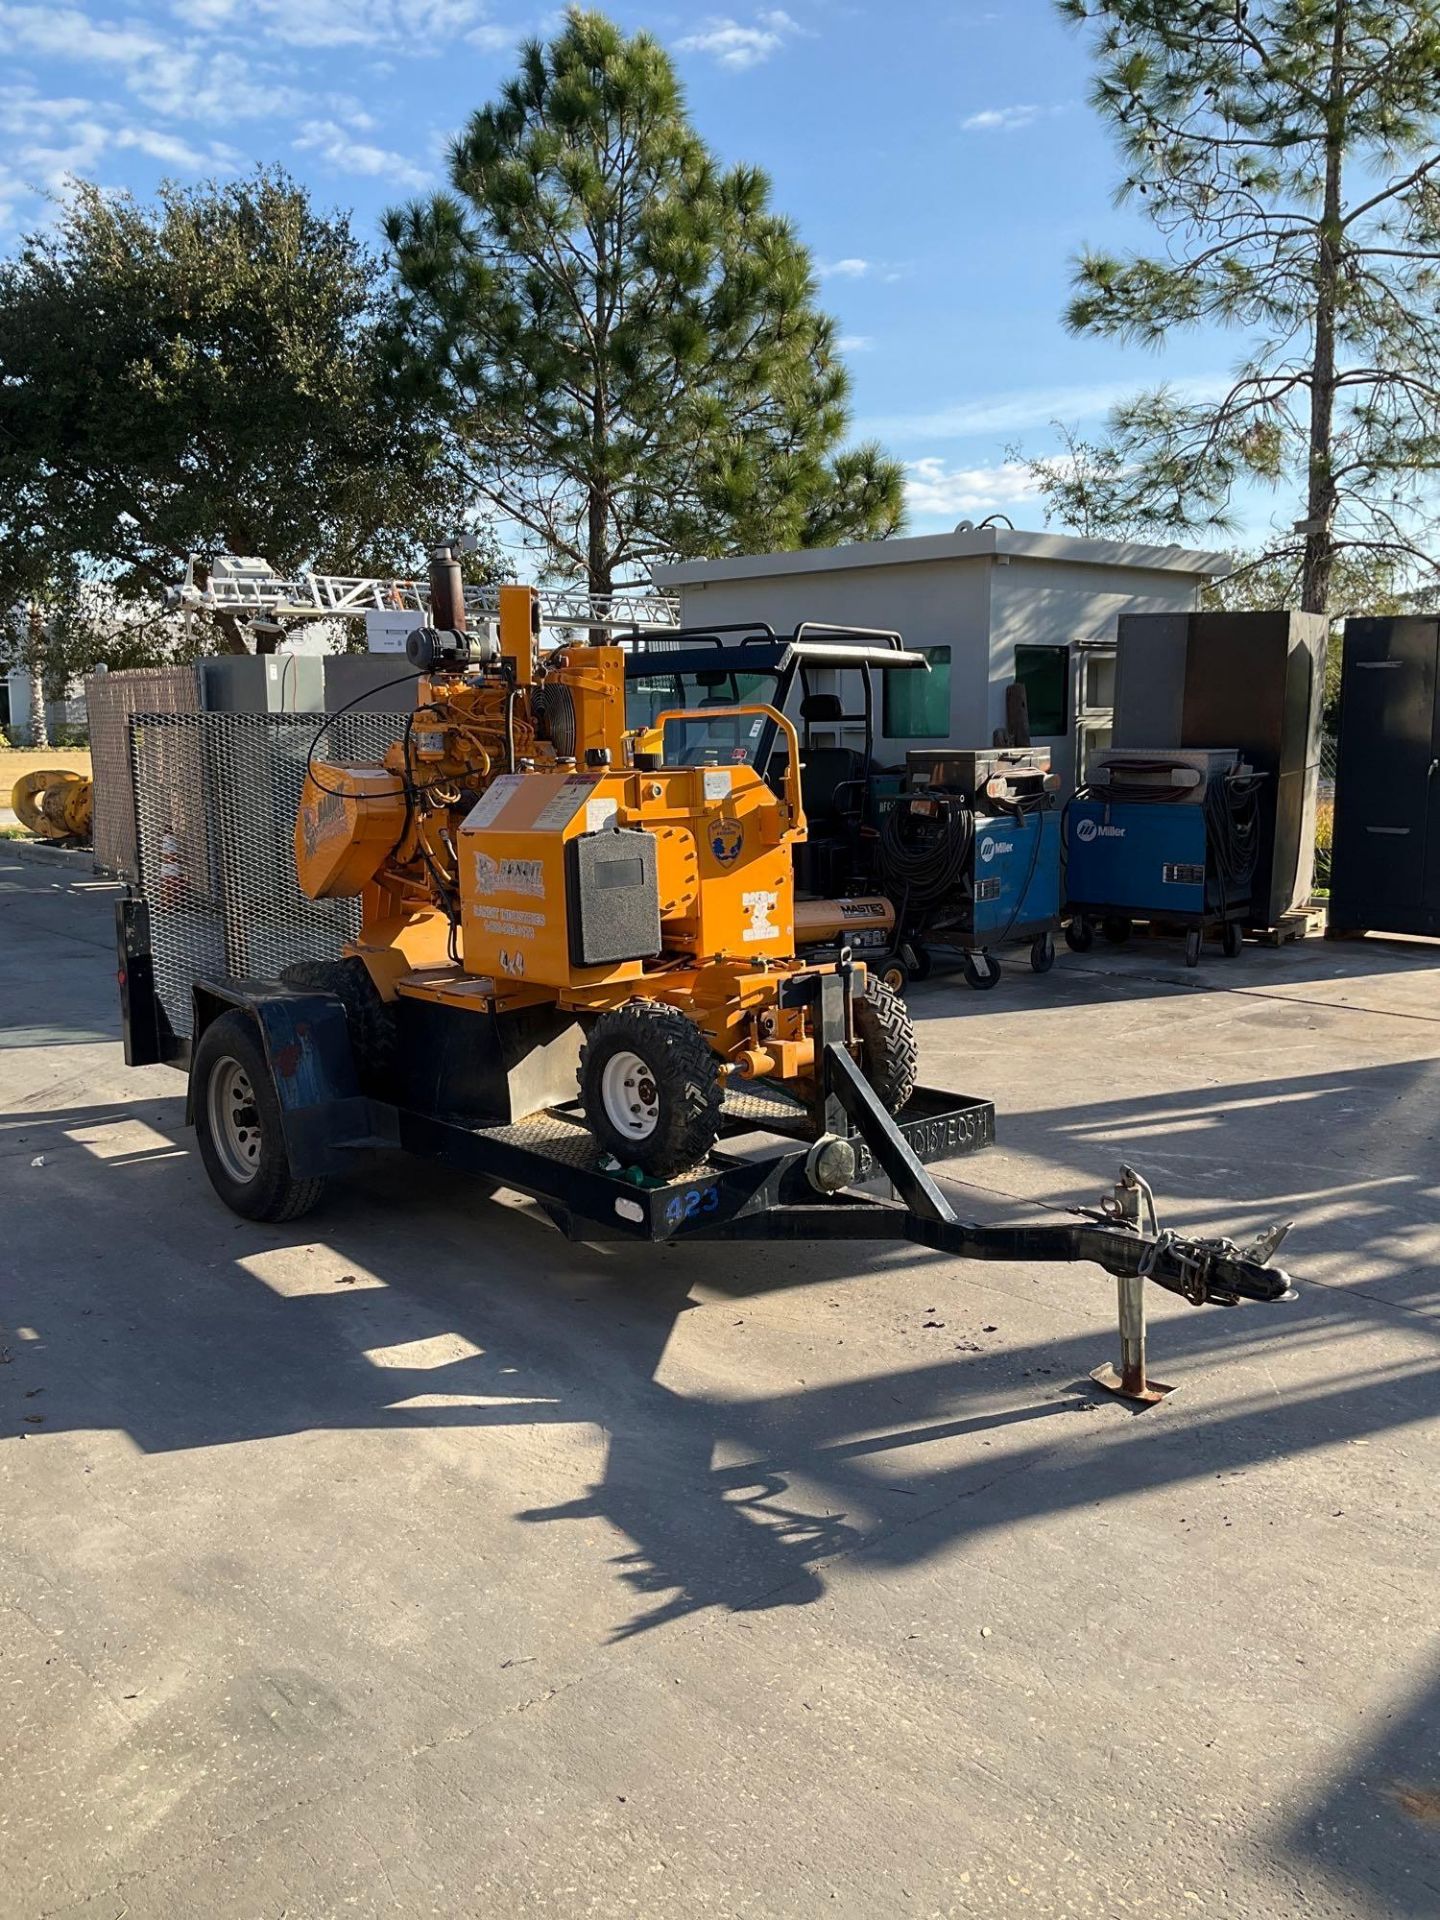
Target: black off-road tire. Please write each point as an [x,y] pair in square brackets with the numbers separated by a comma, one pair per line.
[272,1192]
[369,1019]
[889,1055]
[684,1086]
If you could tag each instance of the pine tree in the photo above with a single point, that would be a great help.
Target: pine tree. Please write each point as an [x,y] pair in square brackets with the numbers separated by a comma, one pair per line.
[1286,150]
[623,334]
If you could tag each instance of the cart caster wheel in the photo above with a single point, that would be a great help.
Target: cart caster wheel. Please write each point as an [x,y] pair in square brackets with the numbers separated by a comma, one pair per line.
[1192,947]
[1042,954]
[920,960]
[1117,929]
[982,971]
[1230,939]
[1079,935]
[893,971]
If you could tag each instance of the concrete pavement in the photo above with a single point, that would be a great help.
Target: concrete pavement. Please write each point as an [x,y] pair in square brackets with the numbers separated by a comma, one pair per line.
[411,1561]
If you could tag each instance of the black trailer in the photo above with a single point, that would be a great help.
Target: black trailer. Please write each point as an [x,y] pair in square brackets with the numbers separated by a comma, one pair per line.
[780,1171]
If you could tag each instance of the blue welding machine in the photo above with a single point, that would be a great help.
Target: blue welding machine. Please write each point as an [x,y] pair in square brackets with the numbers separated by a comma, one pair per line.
[1166,837]
[970,854]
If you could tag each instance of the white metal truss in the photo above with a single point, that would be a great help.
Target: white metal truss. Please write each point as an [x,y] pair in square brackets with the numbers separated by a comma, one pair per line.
[251,589]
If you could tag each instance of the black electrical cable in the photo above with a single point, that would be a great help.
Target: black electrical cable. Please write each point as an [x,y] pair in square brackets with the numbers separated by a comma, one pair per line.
[1030,804]
[928,871]
[405,791]
[1232,834]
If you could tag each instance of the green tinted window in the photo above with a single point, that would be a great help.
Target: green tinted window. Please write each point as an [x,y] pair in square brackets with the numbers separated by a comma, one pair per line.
[917,705]
[1044,673]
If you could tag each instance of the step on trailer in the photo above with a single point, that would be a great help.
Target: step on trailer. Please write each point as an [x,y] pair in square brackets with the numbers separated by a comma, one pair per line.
[288,1078]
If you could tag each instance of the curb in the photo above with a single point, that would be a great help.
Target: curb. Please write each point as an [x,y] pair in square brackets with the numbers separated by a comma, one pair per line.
[37,853]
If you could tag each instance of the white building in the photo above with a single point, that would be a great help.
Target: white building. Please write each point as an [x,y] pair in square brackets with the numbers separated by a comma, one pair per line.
[990,606]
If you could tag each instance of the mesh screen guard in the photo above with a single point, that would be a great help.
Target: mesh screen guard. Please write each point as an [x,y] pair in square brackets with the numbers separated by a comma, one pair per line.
[215,801]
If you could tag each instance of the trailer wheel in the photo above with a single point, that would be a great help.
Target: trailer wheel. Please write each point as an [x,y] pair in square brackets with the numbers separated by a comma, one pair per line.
[238,1126]
[1042,953]
[889,1056]
[650,1087]
[1117,928]
[1230,939]
[1193,937]
[1079,934]
[369,1021]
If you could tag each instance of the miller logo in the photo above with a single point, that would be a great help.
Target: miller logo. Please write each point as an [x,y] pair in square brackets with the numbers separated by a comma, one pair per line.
[727,837]
[989,848]
[1088,830]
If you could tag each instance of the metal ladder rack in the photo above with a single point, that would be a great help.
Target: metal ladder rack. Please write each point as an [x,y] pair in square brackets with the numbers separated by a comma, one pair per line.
[228,583]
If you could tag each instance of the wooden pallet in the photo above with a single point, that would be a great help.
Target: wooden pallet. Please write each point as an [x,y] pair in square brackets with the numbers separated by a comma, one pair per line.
[1302,923]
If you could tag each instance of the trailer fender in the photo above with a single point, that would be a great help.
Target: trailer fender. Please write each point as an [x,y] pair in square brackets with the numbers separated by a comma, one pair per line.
[307,1046]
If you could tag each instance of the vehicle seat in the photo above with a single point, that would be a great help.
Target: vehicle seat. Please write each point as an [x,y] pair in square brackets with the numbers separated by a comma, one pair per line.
[828,774]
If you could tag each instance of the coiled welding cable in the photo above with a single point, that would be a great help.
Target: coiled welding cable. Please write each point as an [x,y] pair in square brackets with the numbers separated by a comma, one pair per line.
[925,843]
[1232,833]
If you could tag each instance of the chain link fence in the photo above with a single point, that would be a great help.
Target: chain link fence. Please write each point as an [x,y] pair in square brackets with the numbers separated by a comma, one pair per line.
[215,798]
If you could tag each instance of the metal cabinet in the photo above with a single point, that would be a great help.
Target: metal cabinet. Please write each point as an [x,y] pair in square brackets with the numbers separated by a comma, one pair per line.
[1385,856]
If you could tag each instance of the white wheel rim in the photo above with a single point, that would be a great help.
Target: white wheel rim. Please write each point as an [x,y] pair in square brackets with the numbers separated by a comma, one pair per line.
[234,1121]
[630,1096]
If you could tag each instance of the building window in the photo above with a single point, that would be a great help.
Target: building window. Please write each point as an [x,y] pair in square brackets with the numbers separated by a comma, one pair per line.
[1044,673]
[917,705]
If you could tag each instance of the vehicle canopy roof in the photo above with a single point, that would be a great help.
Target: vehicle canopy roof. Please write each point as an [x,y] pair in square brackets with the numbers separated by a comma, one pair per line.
[752,646]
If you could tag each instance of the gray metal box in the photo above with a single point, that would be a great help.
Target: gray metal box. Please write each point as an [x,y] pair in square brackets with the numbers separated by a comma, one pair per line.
[263,683]
[369,682]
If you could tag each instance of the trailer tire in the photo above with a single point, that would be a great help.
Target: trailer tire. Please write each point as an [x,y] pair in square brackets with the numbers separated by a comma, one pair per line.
[369,1020]
[651,1088]
[238,1125]
[889,1055]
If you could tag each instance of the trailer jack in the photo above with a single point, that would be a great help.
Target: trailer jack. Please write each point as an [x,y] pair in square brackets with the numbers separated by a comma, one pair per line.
[1205,1271]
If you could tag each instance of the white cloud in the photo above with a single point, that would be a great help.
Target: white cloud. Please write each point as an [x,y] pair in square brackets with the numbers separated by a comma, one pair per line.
[49,141]
[165,147]
[67,34]
[935,491]
[1027,407]
[1001,119]
[737,47]
[411,26]
[855,343]
[348,155]
[849,269]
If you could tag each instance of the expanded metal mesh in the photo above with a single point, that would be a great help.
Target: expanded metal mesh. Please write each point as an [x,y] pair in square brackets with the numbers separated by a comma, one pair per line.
[215,801]
[110,701]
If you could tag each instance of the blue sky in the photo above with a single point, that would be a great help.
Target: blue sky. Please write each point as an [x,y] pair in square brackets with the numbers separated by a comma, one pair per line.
[938,159]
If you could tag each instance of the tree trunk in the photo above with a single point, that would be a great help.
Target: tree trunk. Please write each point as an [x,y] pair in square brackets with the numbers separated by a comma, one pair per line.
[232,632]
[1321,494]
[35,667]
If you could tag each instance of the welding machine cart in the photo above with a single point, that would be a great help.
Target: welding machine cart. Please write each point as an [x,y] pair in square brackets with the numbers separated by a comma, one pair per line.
[1164,837]
[970,854]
